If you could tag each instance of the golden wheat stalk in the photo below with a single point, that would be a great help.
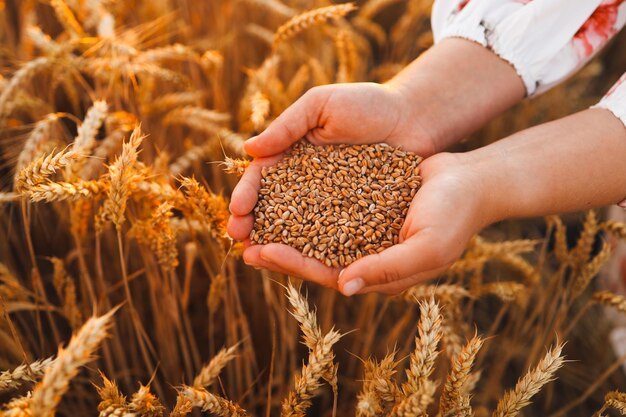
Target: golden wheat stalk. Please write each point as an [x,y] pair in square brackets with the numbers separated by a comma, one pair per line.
[260,106]
[616,228]
[66,18]
[66,290]
[40,169]
[20,78]
[24,373]
[423,358]
[561,250]
[182,407]
[581,252]
[616,400]
[320,360]
[62,191]
[590,270]
[507,291]
[119,176]
[608,298]
[379,389]
[112,402]
[17,407]
[528,386]
[274,6]
[55,382]
[453,396]
[85,139]
[416,404]
[145,403]
[210,372]
[445,292]
[36,141]
[214,404]
[305,20]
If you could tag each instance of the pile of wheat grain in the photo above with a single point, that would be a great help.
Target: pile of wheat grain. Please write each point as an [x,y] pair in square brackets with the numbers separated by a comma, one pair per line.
[336,203]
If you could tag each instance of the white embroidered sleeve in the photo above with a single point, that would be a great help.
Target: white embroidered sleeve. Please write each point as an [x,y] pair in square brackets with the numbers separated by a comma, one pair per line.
[545,40]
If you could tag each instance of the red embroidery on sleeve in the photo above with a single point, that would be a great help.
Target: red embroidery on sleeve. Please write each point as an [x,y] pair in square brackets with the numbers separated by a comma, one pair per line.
[598,29]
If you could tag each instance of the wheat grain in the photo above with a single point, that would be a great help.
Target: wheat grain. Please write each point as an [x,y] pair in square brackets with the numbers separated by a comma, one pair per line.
[336,203]
[581,252]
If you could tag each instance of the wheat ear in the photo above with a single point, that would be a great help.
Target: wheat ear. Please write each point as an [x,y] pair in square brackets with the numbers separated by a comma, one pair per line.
[453,397]
[302,21]
[55,382]
[210,372]
[528,386]
[24,373]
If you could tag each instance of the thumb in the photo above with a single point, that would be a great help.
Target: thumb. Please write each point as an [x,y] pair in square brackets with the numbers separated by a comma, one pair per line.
[291,126]
[414,256]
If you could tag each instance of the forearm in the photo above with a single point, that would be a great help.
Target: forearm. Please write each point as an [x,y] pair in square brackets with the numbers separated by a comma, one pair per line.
[571,164]
[455,88]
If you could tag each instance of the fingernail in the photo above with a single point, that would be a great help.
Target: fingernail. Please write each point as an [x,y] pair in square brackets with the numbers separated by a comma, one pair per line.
[341,272]
[252,139]
[352,287]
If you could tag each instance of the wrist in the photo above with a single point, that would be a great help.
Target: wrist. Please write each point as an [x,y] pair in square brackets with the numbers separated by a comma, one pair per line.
[455,88]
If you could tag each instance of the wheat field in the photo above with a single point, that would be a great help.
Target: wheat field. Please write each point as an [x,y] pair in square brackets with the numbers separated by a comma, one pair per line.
[121,136]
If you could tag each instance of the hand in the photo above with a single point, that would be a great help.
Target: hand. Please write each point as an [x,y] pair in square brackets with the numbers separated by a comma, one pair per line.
[342,113]
[447,211]
[355,113]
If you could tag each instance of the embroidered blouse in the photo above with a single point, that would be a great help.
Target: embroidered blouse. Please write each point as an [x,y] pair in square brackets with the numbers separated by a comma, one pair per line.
[545,40]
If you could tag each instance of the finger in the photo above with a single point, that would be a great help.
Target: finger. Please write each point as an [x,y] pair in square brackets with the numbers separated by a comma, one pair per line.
[246,193]
[239,227]
[419,253]
[290,259]
[291,126]
[252,257]
[396,287]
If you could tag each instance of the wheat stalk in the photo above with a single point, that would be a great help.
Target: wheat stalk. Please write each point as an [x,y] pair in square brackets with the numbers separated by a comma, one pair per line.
[66,18]
[78,352]
[40,169]
[210,372]
[120,173]
[305,20]
[453,396]
[24,373]
[214,404]
[616,400]
[528,386]
[609,299]
[423,358]
[590,270]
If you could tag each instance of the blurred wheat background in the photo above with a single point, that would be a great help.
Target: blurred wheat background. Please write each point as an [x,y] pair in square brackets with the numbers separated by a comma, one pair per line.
[99,213]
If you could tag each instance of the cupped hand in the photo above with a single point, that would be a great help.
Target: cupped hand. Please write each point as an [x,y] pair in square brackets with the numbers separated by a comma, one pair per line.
[356,113]
[446,212]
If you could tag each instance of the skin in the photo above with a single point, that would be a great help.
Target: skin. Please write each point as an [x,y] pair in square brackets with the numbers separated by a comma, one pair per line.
[570,164]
